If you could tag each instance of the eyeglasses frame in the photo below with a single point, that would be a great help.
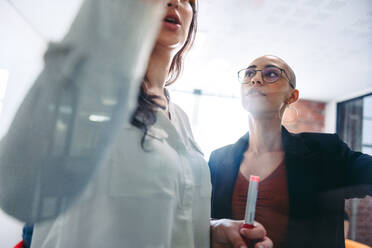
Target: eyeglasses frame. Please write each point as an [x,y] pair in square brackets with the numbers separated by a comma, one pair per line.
[281,72]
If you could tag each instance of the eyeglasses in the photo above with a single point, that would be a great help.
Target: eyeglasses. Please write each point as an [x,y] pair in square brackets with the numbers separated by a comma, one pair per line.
[269,75]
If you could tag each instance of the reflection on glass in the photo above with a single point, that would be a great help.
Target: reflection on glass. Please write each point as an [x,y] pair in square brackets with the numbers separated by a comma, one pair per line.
[367,125]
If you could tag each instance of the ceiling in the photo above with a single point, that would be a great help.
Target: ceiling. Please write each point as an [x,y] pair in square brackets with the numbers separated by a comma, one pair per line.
[328,43]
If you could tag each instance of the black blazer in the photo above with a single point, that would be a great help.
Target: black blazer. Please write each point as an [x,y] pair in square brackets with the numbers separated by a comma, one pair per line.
[321,171]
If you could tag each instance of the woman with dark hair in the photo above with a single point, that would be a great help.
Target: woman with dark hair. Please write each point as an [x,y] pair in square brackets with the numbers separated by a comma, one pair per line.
[155,191]
[304,178]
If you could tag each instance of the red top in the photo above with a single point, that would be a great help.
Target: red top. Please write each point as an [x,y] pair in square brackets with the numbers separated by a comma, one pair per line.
[272,207]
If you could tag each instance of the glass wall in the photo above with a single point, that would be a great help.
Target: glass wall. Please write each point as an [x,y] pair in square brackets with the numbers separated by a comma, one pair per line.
[354,126]
[354,123]
[367,125]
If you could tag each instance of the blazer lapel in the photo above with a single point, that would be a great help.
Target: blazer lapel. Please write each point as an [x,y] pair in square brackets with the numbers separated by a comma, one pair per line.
[300,164]
[238,151]
[228,172]
[303,186]
[232,160]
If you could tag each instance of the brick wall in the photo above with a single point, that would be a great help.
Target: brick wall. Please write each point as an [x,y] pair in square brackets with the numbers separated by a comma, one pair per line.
[305,116]
[308,116]
[364,221]
[361,214]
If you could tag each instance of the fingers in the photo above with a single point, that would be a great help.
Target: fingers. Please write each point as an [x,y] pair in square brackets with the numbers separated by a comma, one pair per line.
[258,232]
[229,233]
[265,243]
[236,239]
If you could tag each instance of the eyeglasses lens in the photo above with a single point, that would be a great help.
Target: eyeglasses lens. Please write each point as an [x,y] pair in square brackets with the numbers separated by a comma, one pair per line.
[271,74]
[246,75]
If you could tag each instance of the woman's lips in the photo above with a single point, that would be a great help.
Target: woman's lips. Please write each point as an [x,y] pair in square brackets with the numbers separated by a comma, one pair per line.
[255,93]
[171,26]
[172,22]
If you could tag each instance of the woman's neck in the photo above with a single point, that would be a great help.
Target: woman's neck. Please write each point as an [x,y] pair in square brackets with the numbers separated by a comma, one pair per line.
[158,71]
[265,135]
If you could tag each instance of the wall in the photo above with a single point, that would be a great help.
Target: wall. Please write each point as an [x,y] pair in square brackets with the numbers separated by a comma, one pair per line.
[305,116]
[330,115]
[360,212]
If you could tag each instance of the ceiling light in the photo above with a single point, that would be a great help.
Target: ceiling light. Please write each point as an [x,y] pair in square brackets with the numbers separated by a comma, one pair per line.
[99,118]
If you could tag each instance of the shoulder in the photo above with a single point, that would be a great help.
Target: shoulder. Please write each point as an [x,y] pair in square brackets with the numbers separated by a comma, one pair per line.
[229,151]
[218,158]
[181,114]
[181,117]
[318,136]
[323,141]
[221,152]
[178,109]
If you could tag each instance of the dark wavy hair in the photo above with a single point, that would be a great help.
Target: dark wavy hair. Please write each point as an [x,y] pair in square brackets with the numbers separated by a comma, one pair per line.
[145,114]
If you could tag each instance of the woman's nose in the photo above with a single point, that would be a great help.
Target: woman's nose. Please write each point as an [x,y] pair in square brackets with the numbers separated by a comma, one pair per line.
[257,79]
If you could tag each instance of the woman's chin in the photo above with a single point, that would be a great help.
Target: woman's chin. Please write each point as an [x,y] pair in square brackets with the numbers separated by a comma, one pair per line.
[259,112]
[170,40]
[255,104]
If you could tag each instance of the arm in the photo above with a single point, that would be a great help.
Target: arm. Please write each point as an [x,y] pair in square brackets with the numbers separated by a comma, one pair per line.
[358,171]
[55,142]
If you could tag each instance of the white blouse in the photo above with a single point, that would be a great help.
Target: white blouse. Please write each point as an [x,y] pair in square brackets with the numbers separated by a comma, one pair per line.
[158,198]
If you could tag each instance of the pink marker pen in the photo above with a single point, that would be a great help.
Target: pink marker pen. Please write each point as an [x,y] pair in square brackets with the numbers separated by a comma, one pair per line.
[250,207]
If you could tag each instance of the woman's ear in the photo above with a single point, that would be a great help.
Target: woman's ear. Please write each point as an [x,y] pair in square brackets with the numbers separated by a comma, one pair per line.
[293,97]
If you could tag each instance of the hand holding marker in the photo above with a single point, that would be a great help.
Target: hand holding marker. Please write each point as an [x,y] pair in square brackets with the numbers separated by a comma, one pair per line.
[250,207]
